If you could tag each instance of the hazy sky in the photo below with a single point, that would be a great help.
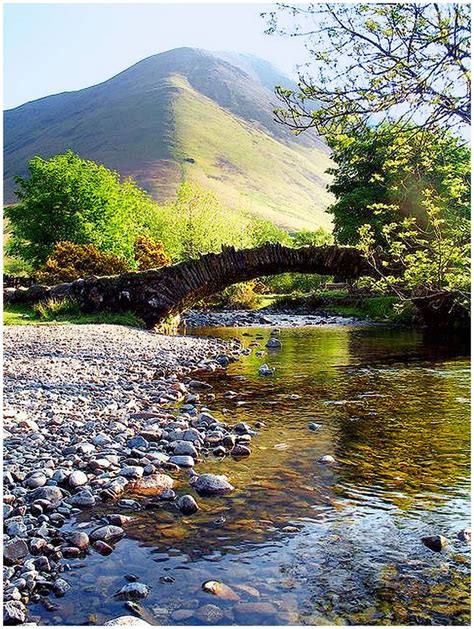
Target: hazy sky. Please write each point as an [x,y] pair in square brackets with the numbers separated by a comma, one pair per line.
[51,48]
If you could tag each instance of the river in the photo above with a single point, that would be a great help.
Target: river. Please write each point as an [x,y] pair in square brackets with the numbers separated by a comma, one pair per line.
[305,542]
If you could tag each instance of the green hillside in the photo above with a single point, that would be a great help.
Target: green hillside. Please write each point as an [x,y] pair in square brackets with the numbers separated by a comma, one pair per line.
[188,114]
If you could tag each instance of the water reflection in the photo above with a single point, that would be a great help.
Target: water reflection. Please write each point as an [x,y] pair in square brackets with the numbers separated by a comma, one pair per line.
[321,544]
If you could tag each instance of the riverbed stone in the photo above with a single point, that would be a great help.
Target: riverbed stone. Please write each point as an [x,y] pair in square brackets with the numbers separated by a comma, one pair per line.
[37,479]
[209,614]
[14,613]
[213,485]
[107,533]
[186,448]
[127,621]
[77,479]
[52,494]
[152,485]
[134,591]
[79,540]
[84,498]
[187,504]
[14,550]
[435,542]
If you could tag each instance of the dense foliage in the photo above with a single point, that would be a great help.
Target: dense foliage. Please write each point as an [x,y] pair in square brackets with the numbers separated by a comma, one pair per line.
[149,254]
[67,198]
[69,262]
[402,61]
[422,260]
[382,175]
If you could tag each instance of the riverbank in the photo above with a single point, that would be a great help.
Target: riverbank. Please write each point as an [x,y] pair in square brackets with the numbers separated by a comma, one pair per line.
[92,422]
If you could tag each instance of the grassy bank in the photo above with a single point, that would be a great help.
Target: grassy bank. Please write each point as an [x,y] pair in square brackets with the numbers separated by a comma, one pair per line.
[24,315]
[377,308]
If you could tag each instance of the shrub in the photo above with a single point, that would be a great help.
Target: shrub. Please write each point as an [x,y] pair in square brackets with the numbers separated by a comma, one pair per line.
[69,262]
[241,296]
[150,253]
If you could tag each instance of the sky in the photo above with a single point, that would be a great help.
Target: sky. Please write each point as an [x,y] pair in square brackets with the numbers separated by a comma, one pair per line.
[51,48]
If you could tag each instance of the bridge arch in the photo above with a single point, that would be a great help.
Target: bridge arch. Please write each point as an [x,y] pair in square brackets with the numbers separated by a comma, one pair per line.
[157,294]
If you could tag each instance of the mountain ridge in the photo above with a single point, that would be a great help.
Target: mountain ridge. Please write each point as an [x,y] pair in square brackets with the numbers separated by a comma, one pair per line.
[137,122]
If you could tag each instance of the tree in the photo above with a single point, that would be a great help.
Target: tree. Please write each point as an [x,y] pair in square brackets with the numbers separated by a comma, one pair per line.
[422,261]
[67,198]
[382,175]
[404,61]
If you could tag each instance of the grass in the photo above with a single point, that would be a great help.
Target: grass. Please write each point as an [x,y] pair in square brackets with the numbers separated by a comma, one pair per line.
[53,315]
[380,308]
[284,183]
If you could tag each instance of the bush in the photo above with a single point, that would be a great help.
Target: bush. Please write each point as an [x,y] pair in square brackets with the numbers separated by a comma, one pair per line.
[69,262]
[243,296]
[150,253]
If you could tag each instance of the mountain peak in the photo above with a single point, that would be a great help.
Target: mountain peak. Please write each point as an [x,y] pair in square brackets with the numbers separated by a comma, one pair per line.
[185,112]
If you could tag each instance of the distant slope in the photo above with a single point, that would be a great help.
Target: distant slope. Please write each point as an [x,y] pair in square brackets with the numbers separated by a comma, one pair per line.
[190,114]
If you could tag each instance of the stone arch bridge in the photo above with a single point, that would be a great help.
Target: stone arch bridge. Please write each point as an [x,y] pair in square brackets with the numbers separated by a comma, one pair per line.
[157,294]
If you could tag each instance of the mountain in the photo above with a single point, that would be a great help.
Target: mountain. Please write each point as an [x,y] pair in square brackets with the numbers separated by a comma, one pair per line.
[183,114]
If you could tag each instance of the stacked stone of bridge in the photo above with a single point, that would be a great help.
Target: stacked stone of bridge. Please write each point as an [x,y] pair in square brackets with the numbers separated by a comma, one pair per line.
[157,294]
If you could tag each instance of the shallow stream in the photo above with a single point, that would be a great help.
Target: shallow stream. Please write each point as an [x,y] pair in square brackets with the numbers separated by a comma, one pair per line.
[313,543]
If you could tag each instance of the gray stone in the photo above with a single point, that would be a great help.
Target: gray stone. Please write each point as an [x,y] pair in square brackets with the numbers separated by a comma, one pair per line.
[14,613]
[182,461]
[187,504]
[212,485]
[49,492]
[14,550]
[37,479]
[107,533]
[131,471]
[83,499]
[77,479]
[132,591]
[185,447]
[138,442]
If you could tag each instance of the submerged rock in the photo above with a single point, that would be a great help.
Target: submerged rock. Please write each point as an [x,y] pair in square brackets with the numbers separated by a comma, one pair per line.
[435,542]
[265,370]
[221,590]
[134,590]
[465,536]
[209,614]
[213,485]
[127,620]
[273,343]
[187,505]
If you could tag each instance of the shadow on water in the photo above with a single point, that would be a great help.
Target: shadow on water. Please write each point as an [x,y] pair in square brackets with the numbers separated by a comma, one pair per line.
[313,543]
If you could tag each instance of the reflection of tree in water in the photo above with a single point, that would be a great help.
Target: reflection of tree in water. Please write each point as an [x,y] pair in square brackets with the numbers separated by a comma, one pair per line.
[413,441]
